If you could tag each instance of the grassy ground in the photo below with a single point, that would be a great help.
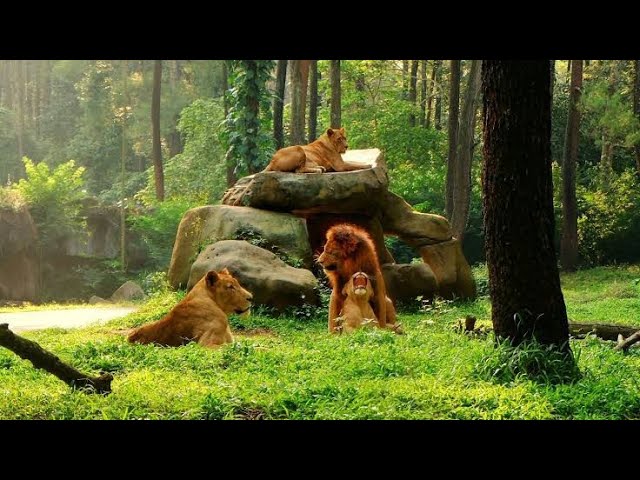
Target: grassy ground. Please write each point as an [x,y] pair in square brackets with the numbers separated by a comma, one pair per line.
[284,368]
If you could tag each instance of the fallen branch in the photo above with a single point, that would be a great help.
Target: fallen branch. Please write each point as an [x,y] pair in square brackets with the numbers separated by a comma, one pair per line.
[40,358]
[605,331]
[625,344]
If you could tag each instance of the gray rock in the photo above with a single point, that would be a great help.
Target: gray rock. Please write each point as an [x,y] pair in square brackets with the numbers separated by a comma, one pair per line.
[128,291]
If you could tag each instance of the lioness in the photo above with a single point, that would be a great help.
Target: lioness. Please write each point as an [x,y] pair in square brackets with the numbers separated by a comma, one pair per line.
[356,310]
[201,315]
[320,156]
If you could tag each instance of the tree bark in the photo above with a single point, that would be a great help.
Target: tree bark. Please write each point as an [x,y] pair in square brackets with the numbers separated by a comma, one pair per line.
[605,331]
[313,101]
[278,104]
[336,94]
[231,176]
[155,128]
[40,358]
[625,344]
[464,154]
[526,298]
[19,100]
[438,85]
[432,90]
[636,106]
[299,81]
[569,241]
[405,79]
[423,93]
[454,105]
[413,84]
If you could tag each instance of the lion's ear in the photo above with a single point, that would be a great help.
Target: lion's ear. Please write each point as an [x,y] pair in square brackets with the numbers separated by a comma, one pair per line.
[212,278]
[342,131]
[329,132]
[225,271]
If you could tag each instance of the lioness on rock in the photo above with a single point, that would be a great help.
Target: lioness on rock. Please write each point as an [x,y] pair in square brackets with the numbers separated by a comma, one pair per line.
[201,315]
[356,310]
[320,156]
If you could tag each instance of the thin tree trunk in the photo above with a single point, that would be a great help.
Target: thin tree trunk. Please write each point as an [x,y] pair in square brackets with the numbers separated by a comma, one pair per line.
[19,82]
[636,106]
[569,241]
[464,154]
[518,204]
[299,81]
[313,101]
[231,176]
[405,79]
[278,103]
[454,106]
[423,93]
[438,85]
[413,84]
[123,156]
[336,94]
[155,127]
[432,90]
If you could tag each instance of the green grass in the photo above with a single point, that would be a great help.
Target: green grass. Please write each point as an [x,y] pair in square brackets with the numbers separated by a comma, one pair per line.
[283,368]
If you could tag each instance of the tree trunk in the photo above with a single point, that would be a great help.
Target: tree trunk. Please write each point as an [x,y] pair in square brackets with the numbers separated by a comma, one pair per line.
[413,87]
[278,104]
[432,90]
[423,93]
[438,85]
[313,101]
[231,176]
[155,128]
[606,155]
[336,94]
[123,156]
[636,106]
[464,154]
[405,79]
[518,204]
[299,81]
[454,105]
[569,242]
[19,82]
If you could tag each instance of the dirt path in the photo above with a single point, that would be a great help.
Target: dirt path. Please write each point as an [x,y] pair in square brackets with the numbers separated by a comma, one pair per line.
[77,317]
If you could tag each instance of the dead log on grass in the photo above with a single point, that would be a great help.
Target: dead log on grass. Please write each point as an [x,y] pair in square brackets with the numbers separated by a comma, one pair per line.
[625,344]
[604,331]
[40,358]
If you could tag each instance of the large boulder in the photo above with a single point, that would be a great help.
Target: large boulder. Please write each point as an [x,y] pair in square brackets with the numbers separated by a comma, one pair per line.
[406,281]
[207,225]
[450,268]
[271,281]
[128,291]
[334,192]
[19,265]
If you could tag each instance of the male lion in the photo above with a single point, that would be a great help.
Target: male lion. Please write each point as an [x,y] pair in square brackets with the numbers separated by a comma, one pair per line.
[349,249]
[320,156]
[356,311]
[201,315]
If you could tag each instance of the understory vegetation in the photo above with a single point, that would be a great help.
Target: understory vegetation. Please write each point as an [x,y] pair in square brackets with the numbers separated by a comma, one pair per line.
[290,368]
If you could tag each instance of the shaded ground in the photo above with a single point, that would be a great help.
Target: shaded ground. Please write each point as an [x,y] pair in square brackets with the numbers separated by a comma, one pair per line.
[77,317]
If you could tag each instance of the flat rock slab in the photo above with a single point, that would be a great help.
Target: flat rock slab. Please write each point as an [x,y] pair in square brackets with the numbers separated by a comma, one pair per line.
[70,318]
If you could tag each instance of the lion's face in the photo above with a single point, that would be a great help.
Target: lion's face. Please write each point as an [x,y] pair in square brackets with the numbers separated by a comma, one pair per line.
[338,139]
[331,258]
[359,285]
[227,292]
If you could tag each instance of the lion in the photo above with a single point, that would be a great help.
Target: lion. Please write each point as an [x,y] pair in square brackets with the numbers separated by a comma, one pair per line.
[201,315]
[322,155]
[349,249]
[356,310]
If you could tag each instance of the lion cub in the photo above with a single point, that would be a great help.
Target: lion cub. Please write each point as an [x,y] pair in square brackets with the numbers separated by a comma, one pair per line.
[356,310]
[201,315]
[323,155]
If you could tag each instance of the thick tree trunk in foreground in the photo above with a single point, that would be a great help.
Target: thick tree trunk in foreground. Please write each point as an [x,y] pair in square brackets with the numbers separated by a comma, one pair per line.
[40,358]
[299,82]
[518,204]
[336,94]
[454,108]
[278,104]
[569,242]
[158,172]
[313,101]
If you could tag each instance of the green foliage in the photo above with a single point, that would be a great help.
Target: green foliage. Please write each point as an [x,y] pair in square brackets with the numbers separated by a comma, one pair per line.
[55,200]
[158,228]
[609,217]
[248,135]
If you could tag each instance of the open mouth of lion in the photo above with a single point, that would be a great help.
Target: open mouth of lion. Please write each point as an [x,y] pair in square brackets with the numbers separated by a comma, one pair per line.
[360,291]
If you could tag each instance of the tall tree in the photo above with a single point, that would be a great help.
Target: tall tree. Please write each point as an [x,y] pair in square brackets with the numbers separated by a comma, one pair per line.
[454,110]
[518,204]
[636,106]
[423,93]
[438,88]
[299,81]
[278,103]
[413,87]
[313,100]
[405,79]
[123,152]
[464,153]
[228,159]
[336,94]
[569,241]
[158,171]
[431,89]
